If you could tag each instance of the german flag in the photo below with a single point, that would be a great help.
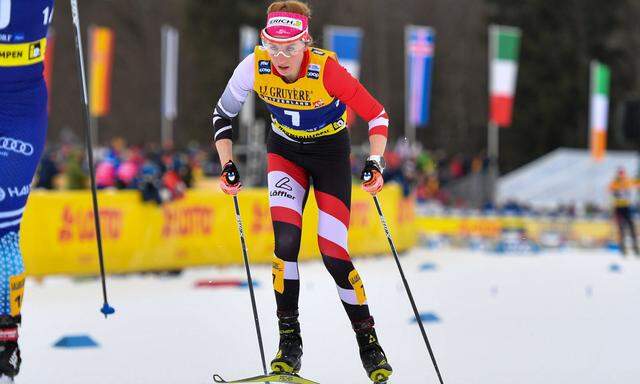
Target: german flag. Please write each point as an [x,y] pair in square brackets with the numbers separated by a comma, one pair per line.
[101,47]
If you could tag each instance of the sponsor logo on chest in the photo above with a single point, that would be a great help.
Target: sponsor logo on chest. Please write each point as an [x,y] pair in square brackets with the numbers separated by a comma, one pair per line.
[313,71]
[264,67]
[299,97]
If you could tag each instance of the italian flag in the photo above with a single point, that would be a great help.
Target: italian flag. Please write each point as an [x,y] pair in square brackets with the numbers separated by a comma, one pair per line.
[599,108]
[504,47]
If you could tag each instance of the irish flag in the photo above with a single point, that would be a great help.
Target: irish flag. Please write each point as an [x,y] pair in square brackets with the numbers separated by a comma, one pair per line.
[599,108]
[504,46]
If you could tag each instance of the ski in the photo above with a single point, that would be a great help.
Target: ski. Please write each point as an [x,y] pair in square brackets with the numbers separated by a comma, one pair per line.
[270,378]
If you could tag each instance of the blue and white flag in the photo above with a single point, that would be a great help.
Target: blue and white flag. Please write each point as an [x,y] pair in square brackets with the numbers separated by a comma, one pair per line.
[346,42]
[419,50]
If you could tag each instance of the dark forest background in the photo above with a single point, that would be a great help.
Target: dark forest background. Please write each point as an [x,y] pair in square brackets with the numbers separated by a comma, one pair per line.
[559,40]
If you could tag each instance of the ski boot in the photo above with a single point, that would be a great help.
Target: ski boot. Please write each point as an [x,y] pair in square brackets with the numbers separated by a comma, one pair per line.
[9,351]
[373,358]
[289,356]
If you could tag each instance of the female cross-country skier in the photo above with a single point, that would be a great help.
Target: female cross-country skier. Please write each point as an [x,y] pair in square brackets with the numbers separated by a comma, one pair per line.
[23,126]
[307,92]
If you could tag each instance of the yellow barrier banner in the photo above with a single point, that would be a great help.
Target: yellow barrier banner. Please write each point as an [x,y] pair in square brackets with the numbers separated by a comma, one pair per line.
[58,234]
[581,231]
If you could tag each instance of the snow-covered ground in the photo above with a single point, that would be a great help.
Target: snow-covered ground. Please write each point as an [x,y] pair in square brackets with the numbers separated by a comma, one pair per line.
[555,318]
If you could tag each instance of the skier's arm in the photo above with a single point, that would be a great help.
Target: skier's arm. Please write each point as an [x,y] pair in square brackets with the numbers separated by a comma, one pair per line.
[225,151]
[229,105]
[377,144]
[348,89]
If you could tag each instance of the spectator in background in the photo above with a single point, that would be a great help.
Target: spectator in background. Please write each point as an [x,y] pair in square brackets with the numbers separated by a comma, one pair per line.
[149,181]
[393,172]
[47,172]
[621,189]
[477,164]
[173,187]
[126,174]
[105,174]
[75,175]
[456,167]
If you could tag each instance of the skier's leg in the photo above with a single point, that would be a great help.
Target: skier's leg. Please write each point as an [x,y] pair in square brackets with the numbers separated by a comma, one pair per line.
[288,188]
[332,188]
[333,226]
[619,219]
[632,232]
[22,135]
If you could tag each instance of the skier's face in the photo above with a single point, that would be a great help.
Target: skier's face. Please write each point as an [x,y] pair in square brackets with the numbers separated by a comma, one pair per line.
[287,58]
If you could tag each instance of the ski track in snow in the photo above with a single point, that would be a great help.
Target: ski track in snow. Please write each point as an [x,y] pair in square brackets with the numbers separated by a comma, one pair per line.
[559,317]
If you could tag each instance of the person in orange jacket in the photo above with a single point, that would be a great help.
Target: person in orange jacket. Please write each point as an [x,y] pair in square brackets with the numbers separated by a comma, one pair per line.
[621,190]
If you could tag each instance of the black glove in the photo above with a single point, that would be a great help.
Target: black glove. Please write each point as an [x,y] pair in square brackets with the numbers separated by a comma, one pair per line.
[230,179]
[367,172]
[372,180]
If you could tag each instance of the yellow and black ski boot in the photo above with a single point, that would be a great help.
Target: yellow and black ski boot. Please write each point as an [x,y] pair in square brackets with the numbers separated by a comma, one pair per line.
[373,358]
[289,356]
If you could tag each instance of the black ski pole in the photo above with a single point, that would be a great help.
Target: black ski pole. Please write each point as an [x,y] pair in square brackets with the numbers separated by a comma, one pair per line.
[231,179]
[106,308]
[366,177]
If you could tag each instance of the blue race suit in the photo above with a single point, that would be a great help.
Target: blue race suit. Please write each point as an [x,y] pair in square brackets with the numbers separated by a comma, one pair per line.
[23,126]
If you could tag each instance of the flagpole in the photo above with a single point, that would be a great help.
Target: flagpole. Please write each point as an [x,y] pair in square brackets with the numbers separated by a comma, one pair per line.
[493,134]
[169,61]
[493,152]
[164,128]
[250,133]
[93,126]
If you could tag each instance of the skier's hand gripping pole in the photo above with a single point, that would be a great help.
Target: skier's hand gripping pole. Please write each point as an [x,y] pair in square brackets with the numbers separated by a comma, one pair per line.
[230,184]
[106,308]
[230,179]
[372,180]
[367,176]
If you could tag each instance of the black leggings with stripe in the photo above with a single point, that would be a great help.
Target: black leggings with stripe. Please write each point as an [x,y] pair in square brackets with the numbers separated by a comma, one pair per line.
[292,168]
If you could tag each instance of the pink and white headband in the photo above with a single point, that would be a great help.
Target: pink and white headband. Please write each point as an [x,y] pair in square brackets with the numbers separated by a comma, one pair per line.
[285,27]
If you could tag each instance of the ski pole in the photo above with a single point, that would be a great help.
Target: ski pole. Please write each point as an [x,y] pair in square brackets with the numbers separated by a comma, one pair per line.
[106,308]
[366,177]
[231,178]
